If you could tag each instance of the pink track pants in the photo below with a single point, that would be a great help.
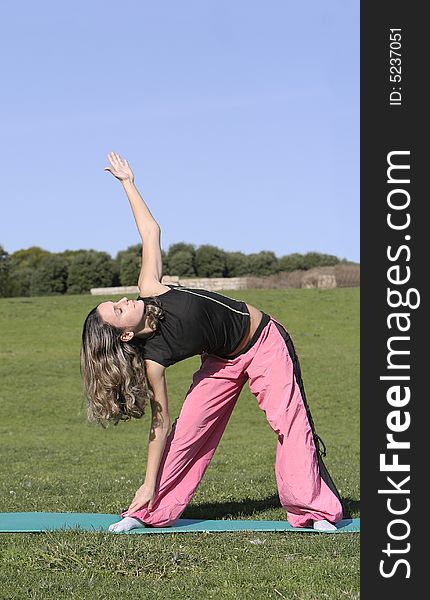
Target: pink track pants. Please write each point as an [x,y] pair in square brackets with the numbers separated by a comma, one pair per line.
[304,486]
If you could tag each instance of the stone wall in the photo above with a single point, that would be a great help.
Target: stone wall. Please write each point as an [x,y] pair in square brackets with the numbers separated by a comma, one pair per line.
[214,283]
[319,277]
[106,291]
[205,283]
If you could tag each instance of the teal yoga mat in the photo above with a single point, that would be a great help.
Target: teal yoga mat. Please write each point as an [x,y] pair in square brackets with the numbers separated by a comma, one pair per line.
[16,522]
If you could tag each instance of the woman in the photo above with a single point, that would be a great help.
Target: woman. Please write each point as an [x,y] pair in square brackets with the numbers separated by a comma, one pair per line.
[128,344]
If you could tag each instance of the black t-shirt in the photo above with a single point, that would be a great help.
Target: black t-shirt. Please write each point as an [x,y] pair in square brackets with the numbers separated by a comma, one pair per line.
[195,321]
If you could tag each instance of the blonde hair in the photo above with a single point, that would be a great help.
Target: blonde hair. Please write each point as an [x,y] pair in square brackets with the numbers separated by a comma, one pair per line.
[113,371]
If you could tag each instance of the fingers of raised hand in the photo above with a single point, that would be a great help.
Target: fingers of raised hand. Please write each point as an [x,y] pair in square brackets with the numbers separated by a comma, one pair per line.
[111,158]
[116,159]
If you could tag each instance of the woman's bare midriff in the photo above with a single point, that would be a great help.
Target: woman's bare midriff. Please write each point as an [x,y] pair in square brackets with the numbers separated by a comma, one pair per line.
[254,321]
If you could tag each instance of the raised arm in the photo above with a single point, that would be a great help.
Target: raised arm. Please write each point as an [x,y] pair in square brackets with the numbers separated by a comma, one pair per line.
[149,229]
[159,430]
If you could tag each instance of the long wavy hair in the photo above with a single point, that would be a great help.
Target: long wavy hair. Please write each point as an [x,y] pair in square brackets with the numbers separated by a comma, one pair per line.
[113,371]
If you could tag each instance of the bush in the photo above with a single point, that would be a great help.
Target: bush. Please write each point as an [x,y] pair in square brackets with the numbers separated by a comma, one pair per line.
[126,265]
[4,272]
[129,269]
[166,270]
[22,265]
[263,263]
[88,270]
[182,264]
[50,277]
[292,262]
[34,271]
[210,261]
[181,259]
[29,257]
[316,259]
[236,264]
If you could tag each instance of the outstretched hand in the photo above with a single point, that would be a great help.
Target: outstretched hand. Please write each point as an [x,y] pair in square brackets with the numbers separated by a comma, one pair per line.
[119,167]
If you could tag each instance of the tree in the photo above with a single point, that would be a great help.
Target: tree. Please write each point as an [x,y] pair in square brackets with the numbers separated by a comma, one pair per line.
[210,261]
[4,272]
[129,269]
[70,255]
[182,264]
[127,264]
[237,264]
[179,246]
[166,270]
[19,282]
[263,263]
[28,257]
[88,270]
[181,259]
[316,259]
[50,277]
[292,262]
[22,265]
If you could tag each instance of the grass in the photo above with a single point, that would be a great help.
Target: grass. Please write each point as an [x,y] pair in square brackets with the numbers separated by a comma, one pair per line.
[55,461]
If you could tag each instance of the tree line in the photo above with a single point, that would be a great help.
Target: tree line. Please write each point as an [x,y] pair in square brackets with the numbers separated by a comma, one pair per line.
[38,272]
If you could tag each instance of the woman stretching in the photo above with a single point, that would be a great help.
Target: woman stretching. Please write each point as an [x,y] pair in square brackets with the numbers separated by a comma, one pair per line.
[128,344]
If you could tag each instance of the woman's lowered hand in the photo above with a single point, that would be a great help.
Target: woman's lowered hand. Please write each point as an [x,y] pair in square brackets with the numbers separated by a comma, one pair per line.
[144,495]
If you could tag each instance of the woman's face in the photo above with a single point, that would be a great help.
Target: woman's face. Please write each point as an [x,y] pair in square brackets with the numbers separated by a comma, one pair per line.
[124,314]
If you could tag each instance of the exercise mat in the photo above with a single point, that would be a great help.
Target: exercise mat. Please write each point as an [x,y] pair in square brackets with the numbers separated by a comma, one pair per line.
[31,522]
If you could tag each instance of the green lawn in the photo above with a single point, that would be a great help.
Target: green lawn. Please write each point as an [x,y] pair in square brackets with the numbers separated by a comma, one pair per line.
[53,460]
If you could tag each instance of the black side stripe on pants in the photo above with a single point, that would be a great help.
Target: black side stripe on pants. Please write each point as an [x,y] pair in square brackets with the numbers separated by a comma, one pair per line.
[325,475]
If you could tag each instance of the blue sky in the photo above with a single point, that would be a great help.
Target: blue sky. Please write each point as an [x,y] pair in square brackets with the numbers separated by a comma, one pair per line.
[239,118]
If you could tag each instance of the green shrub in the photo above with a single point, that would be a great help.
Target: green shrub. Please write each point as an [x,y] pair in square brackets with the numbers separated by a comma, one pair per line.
[237,264]
[50,277]
[210,261]
[88,270]
[263,263]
